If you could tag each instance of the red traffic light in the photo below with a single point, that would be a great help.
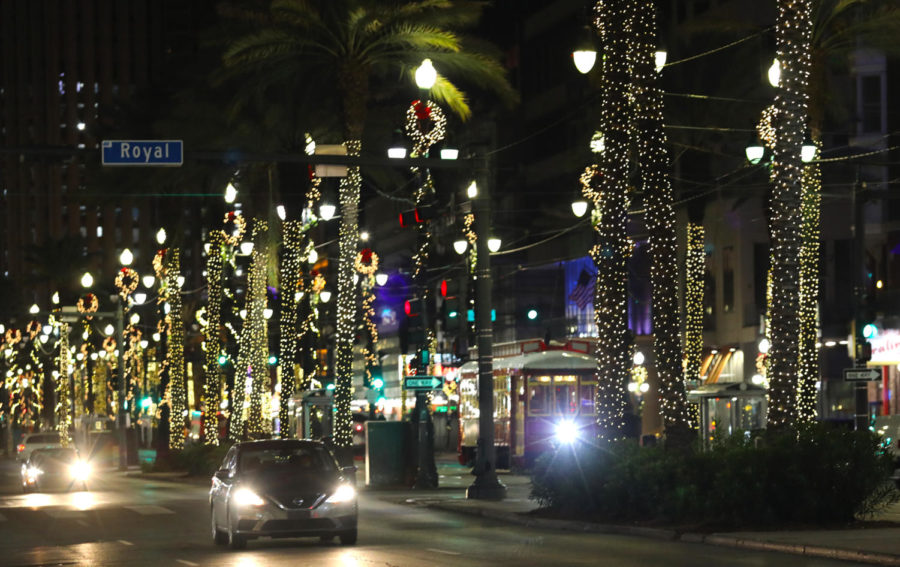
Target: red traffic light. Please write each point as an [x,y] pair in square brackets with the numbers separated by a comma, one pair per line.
[413,307]
[443,288]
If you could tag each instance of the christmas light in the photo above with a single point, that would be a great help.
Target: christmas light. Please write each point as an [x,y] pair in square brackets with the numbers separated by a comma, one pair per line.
[808,361]
[348,236]
[290,280]
[653,163]
[256,333]
[175,353]
[613,350]
[212,384]
[695,270]
[64,361]
[793,35]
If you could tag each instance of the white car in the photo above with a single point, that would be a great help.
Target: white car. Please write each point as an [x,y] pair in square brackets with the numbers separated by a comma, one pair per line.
[32,441]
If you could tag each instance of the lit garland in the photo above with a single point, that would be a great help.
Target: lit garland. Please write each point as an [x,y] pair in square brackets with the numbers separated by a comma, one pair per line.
[472,238]
[808,364]
[610,308]
[793,33]
[367,264]
[235,226]
[175,352]
[88,304]
[348,237]
[653,161]
[212,384]
[255,331]
[63,417]
[693,306]
[291,275]
[426,125]
[309,329]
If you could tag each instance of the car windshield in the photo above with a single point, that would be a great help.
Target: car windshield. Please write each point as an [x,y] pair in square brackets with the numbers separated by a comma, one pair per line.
[63,455]
[294,458]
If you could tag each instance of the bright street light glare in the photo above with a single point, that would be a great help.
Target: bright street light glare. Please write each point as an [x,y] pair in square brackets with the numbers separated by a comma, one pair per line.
[282,213]
[327,211]
[230,193]
[579,208]
[494,244]
[161,236]
[126,257]
[584,60]
[426,75]
[566,432]
[87,280]
[460,246]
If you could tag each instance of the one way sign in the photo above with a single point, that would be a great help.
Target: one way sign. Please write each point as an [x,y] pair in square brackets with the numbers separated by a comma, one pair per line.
[861,374]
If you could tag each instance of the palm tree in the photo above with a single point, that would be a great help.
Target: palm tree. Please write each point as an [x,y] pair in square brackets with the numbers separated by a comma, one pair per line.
[350,47]
[653,163]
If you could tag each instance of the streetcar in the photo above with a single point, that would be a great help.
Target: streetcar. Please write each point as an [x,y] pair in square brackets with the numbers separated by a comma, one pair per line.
[542,397]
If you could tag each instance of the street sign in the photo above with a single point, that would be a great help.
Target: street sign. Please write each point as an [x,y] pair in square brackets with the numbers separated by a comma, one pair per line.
[423,383]
[861,374]
[143,152]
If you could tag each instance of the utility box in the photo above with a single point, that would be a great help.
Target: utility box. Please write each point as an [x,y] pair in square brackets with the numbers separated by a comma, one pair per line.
[389,453]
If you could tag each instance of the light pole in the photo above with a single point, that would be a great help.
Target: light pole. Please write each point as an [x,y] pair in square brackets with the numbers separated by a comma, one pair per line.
[486,485]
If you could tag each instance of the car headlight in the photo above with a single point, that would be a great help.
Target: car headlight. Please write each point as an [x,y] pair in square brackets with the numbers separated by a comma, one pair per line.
[246,497]
[80,471]
[344,493]
[566,432]
[33,473]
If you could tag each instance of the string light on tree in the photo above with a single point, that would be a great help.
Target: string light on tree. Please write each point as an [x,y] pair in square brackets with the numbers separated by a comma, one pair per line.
[793,31]
[653,162]
[808,364]
[175,352]
[256,333]
[613,349]
[291,275]
[64,363]
[212,384]
[693,306]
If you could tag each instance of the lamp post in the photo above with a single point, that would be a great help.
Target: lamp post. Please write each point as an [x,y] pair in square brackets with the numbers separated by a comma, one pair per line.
[486,485]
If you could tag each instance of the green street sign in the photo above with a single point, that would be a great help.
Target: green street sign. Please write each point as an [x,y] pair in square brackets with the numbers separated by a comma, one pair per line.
[422,383]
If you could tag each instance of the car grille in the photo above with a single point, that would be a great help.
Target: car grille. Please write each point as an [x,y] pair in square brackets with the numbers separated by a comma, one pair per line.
[298,525]
[297,501]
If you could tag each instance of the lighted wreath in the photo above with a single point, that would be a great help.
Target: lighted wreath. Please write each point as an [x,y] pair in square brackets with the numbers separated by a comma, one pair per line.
[33,329]
[158,266]
[88,304]
[425,124]
[134,337]
[13,336]
[109,344]
[235,226]
[126,281]
[366,262]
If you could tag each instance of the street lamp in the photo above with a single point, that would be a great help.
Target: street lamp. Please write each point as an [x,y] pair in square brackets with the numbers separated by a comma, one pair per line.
[87,280]
[579,208]
[585,54]
[775,73]
[230,193]
[126,257]
[381,278]
[660,59]
[426,75]
[460,246]
[493,244]
[326,211]
[161,236]
[34,309]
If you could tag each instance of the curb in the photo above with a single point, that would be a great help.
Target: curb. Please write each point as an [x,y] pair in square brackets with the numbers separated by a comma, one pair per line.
[672,535]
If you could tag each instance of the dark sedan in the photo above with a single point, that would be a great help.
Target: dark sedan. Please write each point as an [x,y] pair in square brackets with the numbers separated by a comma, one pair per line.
[282,488]
[60,469]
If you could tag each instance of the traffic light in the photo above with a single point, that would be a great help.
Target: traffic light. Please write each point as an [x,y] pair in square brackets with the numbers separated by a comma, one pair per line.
[451,290]
[273,360]
[863,352]
[377,380]
[412,331]
[223,359]
[420,214]
[532,314]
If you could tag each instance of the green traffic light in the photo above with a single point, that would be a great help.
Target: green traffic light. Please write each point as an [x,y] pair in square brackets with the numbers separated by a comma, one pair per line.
[378,383]
[223,359]
[273,360]
[532,314]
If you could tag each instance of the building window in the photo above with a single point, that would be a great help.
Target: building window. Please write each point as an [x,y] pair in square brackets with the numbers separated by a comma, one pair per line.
[870,104]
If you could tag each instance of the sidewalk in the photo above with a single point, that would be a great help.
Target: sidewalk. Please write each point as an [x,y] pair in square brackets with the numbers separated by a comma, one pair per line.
[876,545]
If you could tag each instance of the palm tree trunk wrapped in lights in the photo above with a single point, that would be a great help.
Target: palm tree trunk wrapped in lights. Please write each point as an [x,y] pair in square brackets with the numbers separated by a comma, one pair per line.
[258,421]
[213,378]
[653,162]
[693,307]
[808,365]
[175,352]
[614,247]
[290,284]
[793,34]
[63,418]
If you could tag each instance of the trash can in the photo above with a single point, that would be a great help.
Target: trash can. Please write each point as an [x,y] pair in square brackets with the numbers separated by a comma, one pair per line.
[389,453]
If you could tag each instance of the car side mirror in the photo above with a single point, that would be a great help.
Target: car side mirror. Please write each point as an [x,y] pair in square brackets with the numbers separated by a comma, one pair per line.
[223,474]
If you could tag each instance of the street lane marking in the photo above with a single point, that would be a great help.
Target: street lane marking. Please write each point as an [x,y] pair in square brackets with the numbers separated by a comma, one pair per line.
[444,551]
[185,562]
[123,542]
[149,510]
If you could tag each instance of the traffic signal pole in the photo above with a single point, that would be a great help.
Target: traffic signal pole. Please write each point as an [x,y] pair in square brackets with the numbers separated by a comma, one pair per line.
[861,388]
[486,485]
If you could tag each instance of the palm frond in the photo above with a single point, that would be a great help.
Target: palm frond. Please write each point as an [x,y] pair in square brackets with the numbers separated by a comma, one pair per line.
[412,38]
[439,13]
[300,14]
[450,96]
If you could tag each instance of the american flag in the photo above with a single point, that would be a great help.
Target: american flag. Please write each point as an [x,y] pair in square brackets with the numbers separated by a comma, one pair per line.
[583,293]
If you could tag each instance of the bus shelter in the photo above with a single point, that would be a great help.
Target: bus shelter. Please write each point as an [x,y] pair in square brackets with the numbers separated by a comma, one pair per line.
[729,408]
